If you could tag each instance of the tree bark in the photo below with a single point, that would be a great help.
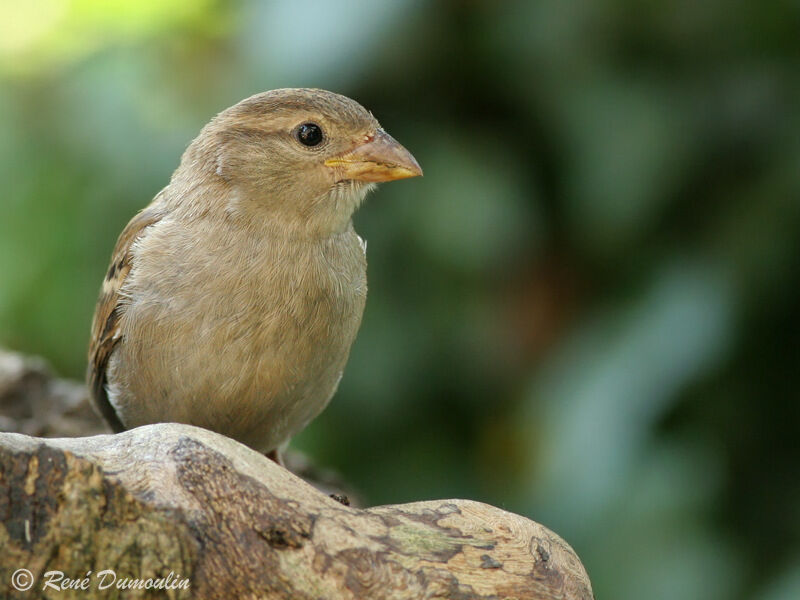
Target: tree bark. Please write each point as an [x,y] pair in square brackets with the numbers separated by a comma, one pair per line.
[229,523]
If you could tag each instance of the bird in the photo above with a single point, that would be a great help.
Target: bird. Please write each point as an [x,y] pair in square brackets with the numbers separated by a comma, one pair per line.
[232,299]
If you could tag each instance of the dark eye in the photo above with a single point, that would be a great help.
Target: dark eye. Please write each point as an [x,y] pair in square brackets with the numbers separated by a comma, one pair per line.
[309,134]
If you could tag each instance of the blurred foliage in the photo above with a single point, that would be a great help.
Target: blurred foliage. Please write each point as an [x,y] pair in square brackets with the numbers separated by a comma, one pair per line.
[584,312]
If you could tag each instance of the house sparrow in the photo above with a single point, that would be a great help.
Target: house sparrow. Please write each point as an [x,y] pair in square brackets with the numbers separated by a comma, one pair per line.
[232,300]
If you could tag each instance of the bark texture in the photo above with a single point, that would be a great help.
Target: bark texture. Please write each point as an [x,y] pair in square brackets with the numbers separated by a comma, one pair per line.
[35,402]
[174,498]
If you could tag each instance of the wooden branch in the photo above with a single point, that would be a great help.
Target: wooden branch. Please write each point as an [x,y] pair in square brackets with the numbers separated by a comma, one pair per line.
[228,523]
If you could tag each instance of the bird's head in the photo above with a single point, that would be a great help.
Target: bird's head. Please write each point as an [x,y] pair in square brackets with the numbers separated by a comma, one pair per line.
[305,155]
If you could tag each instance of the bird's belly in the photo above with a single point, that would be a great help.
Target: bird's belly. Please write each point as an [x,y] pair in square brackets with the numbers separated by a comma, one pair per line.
[256,367]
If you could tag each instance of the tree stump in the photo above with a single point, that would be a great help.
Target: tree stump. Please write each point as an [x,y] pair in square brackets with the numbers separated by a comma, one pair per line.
[173,511]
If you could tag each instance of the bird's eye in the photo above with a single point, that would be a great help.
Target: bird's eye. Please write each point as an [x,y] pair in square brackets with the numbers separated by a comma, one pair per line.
[309,134]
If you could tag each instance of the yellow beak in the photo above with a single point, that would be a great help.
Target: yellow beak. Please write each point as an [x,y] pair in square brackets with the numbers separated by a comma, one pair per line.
[380,158]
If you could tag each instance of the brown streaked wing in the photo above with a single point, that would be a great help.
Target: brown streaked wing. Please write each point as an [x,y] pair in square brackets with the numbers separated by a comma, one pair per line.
[105,325]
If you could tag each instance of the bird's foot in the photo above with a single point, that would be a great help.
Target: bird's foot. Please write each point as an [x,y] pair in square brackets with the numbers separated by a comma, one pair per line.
[276,456]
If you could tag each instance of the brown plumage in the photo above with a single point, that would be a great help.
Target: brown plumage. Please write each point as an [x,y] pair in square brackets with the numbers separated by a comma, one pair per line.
[232,300]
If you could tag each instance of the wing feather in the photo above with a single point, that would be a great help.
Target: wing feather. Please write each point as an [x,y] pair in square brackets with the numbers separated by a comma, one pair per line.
[106,322]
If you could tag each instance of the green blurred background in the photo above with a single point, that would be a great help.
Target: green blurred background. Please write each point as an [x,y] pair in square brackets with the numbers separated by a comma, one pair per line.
[584,312]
